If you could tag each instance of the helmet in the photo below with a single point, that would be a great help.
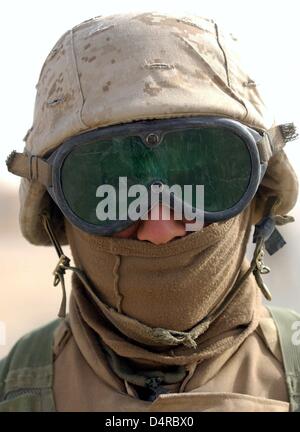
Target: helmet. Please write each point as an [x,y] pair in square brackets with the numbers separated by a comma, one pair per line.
[129,67]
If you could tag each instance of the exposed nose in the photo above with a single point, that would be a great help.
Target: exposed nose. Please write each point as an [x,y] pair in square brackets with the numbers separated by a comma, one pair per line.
[160,227]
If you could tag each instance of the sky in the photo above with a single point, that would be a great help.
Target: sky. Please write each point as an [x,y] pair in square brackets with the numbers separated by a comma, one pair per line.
[268,32]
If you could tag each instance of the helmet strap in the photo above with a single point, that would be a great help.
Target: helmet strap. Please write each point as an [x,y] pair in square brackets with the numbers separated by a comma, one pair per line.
[62,265]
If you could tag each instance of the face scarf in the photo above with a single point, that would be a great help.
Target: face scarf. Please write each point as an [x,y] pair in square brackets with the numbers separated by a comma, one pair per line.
[164,305]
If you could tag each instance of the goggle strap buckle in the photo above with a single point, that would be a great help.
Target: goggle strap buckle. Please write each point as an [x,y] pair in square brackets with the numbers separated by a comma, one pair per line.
[30,166]
[282,134]
[274,140]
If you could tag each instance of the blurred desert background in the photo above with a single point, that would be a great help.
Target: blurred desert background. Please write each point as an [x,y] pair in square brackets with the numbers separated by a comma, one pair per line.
[28,297]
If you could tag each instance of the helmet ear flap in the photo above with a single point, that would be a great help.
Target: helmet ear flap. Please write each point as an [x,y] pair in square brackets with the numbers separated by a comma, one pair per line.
[280,183]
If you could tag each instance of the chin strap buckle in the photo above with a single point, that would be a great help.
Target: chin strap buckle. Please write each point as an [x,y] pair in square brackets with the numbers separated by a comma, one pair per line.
[261,269]
[260,265]
[62,265]
[59,272]
[266,235]
[60,269]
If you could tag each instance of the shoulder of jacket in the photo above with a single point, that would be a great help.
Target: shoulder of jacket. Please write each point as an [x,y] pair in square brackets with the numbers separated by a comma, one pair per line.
[276,325]
[288,325]
[268,332]
[29,363]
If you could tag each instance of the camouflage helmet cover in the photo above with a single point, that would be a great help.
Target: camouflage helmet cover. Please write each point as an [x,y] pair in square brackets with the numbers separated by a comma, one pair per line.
[128,67]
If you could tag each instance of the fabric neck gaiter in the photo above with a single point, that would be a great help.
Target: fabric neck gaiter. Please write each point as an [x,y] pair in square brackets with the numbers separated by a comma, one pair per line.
[145,302]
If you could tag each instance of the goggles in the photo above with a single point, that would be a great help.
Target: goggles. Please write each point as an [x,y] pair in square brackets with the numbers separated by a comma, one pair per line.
[119,163]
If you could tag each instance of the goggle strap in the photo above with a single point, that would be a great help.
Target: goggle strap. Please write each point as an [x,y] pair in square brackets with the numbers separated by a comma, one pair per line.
[35,168]
[281,134]
[275,139]
[30,167]
[264,147]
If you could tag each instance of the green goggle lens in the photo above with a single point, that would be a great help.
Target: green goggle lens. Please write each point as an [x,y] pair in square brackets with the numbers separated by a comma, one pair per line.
[216,158]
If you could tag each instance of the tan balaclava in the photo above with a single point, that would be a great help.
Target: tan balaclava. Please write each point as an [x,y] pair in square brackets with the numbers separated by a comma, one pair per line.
[156,303]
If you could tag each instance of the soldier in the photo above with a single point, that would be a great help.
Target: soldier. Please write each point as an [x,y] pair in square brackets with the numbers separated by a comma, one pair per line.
[166,312]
